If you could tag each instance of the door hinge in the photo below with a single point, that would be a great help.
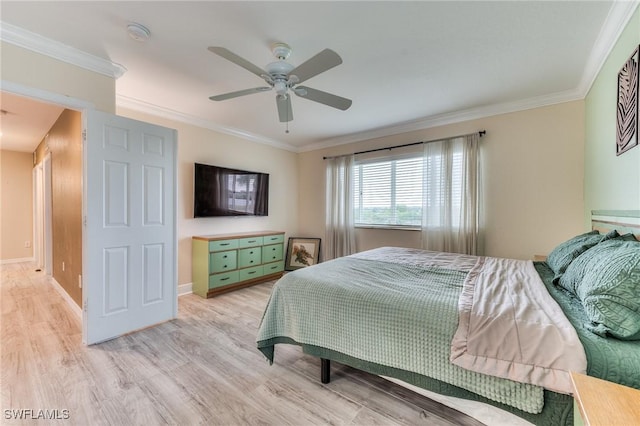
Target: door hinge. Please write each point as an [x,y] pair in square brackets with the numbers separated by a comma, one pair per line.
[84,305]
[84,135]
[84,220]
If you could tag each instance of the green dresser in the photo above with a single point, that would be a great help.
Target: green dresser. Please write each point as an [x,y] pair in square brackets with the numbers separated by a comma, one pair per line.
[226,262]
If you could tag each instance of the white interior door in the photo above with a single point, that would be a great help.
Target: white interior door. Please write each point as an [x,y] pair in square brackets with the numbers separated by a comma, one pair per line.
[129,238]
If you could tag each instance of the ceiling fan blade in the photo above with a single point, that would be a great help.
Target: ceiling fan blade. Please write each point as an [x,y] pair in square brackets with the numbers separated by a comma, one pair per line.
[231,95]
[323,97]
[322,62]
[284,108]
[230,56]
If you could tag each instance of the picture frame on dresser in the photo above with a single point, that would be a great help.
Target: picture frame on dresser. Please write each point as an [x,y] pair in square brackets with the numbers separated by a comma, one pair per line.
[302,252]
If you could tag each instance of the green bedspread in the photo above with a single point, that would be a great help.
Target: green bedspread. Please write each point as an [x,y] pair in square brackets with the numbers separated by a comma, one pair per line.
[399,316]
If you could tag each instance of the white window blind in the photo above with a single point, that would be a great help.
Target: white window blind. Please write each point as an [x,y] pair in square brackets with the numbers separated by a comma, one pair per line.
[389,192]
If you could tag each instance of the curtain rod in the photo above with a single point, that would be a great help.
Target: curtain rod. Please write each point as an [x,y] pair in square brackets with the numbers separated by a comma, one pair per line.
[481,133]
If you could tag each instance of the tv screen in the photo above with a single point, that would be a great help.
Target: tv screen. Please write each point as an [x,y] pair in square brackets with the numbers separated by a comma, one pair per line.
[219,191]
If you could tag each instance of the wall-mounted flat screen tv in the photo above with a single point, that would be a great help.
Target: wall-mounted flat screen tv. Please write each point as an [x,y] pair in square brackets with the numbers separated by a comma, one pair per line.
[219,191]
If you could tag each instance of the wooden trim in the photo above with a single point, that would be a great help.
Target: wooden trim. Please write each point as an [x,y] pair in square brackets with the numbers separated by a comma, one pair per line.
[605,403]
[220,290]
[234,236]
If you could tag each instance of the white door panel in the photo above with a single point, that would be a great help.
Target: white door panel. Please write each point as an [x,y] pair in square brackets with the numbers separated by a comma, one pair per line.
[130,274]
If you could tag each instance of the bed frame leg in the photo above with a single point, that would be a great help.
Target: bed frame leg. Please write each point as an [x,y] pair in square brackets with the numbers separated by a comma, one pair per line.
[325,370]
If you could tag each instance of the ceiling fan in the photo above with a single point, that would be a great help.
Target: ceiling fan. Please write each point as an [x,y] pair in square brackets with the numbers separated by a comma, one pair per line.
[284,78]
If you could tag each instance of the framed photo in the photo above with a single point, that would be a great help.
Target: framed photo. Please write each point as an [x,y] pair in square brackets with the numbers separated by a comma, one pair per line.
[302,252]
[627,108]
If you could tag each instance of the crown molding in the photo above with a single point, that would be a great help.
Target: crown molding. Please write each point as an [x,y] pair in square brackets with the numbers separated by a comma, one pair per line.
[449,118]
[45,46]
[619,15]
[152,109]
[616,21]
[45,96]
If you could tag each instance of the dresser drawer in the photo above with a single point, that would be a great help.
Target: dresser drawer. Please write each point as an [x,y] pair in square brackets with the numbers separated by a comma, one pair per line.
[249,257]
[273,268]
[221,245]
[271,253]
[225,278]
[222,261]
[250,273]
[272,239]
[250,242]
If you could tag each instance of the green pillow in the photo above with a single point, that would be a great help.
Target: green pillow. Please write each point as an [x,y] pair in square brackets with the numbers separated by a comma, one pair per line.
[561,256]
[610,290]
[577,268]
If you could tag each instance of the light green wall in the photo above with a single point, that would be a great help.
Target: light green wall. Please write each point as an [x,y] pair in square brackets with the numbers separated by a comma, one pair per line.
[610,182]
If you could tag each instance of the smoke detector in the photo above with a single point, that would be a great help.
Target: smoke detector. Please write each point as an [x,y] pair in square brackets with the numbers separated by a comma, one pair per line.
[138,32]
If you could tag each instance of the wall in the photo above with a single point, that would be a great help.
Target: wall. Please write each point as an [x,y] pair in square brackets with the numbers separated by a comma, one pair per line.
[196,144]
[41,72]
[532,164]
[64,142]
[16,205]
[611,182]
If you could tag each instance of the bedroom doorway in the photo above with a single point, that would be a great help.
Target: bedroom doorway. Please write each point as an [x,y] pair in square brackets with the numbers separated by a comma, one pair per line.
[130,282]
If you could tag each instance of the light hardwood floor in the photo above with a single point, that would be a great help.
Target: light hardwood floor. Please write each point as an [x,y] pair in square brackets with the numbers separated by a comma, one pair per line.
[202,368]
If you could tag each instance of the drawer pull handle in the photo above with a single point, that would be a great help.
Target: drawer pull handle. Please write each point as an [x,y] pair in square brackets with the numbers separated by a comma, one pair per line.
[252,272]
[252,241]
[250,252]
[251,261]
[224,244]
[224,257]
[273,257]
[224,279]
[224,266]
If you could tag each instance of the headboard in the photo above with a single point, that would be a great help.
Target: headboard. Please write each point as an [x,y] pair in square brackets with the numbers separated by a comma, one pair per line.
[624,221]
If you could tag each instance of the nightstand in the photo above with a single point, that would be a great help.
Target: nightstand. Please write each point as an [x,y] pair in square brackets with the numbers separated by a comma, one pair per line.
[598,402]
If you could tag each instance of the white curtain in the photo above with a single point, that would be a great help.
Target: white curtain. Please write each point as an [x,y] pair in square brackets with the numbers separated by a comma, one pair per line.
[451,200]
[340,230]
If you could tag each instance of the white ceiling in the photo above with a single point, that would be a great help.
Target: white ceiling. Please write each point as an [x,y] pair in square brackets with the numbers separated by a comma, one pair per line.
[24,122]
[405,64]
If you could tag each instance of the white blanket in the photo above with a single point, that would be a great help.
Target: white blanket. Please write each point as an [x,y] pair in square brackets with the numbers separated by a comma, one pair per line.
[511,327]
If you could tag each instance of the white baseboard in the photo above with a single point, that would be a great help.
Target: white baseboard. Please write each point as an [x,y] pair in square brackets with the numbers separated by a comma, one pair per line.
[185,289]
[22,259]
[72,304]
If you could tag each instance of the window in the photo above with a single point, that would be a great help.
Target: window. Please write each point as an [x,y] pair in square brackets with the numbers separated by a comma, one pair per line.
[389,192]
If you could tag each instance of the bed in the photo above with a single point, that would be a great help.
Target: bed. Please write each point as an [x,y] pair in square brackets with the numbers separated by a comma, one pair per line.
[431,320]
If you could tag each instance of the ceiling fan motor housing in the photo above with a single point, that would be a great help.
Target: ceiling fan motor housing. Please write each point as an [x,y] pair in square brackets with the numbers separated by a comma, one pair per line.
[279,69]
[279,72]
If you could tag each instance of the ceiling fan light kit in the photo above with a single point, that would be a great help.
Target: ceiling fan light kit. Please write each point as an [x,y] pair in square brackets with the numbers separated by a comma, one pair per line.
[283,77]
